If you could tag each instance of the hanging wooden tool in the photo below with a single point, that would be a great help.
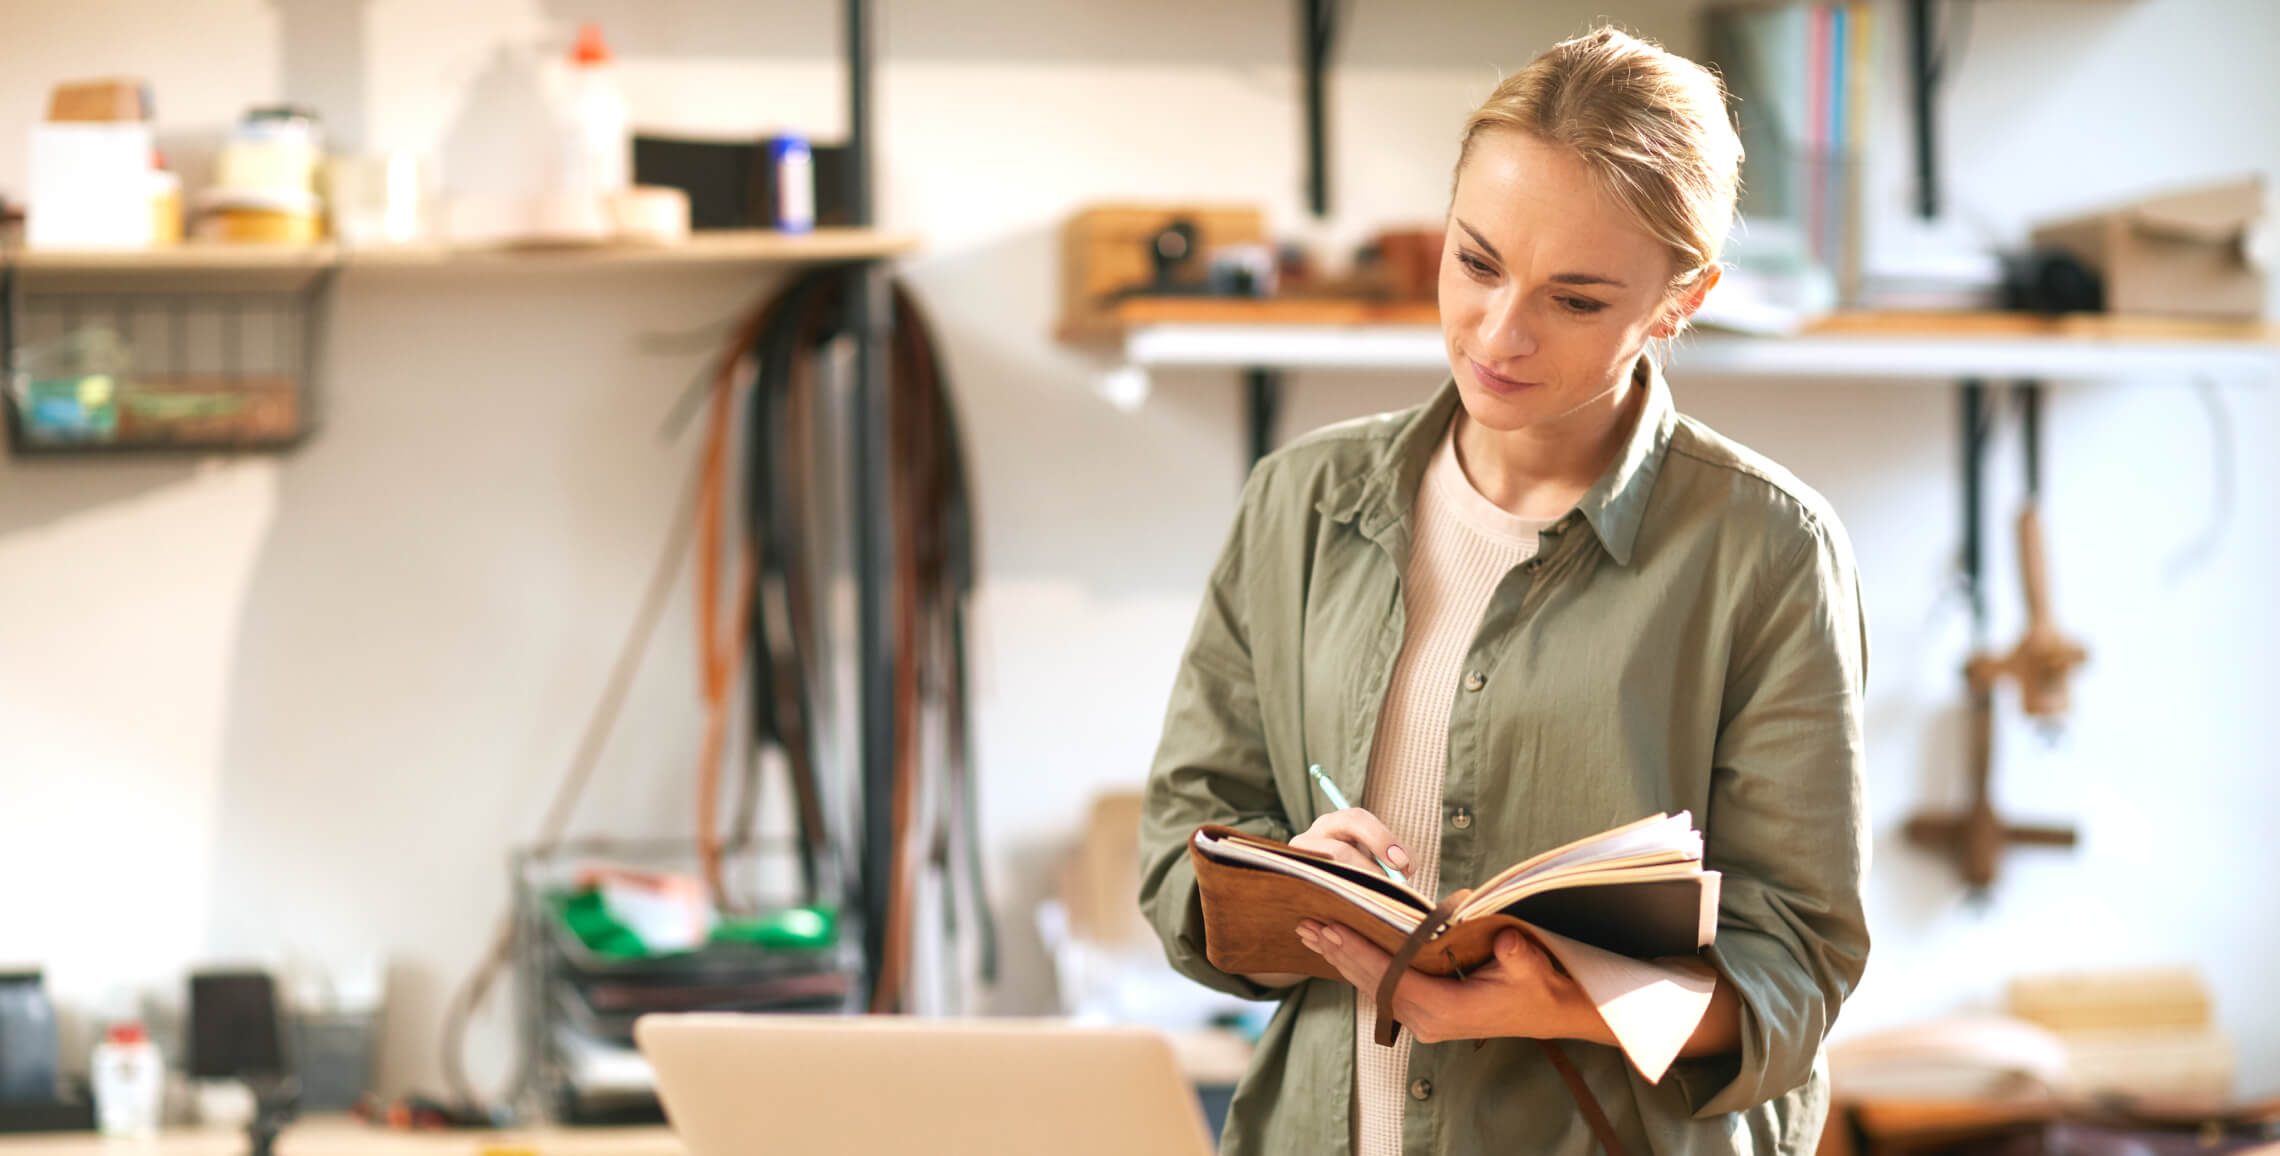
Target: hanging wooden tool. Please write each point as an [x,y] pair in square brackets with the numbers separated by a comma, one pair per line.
[2043,659]
[2040,662]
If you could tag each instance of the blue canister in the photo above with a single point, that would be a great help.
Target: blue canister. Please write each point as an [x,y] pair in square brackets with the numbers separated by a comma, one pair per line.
[791,165]
[27,1040]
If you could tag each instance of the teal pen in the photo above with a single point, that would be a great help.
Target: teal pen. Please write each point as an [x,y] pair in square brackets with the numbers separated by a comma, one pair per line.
[1339,801]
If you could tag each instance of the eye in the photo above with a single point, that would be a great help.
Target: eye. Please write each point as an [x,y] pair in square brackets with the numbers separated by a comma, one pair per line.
[1582,306]
[1474,265]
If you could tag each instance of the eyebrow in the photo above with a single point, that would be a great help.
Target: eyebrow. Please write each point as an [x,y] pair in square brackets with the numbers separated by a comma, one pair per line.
[1558,278]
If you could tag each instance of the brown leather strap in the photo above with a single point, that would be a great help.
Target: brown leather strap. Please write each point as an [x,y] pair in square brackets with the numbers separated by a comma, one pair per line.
[1592,1113]
[1429,929]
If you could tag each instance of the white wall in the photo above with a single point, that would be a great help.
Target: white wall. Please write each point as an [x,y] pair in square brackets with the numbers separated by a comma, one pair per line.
[305,705]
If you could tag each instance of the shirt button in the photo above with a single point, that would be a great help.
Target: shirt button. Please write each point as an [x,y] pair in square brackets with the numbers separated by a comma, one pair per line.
[1421,1089]
[1475,680]
[1460,818]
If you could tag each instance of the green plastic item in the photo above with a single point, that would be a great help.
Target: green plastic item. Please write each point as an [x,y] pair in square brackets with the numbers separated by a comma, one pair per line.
[590,920]
[790,929]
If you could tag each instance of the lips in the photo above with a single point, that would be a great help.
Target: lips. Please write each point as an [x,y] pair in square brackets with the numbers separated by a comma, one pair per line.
[1497,382]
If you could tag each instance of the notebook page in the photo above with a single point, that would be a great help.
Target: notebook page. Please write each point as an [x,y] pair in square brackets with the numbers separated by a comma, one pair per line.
[1671,838]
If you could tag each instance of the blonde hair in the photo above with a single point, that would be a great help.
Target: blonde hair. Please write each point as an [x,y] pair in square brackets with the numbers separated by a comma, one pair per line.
[1651,127]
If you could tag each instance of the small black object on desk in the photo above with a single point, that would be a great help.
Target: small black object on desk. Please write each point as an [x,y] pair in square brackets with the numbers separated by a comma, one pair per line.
[236,1033]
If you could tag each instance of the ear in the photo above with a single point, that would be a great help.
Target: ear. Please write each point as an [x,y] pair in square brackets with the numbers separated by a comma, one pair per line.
[1682,307]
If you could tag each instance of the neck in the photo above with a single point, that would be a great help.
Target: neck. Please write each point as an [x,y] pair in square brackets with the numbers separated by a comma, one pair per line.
[1541,470]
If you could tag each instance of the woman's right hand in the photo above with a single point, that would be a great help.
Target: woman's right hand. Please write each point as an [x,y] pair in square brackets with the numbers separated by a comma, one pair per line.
[1351,837]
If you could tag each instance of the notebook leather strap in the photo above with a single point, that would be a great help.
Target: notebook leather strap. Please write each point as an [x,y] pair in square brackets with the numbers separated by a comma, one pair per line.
[1431,928]
[1428,929]
[1593,1115]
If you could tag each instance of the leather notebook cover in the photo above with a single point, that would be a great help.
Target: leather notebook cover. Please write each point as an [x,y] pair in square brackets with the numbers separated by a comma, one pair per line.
[1251,916]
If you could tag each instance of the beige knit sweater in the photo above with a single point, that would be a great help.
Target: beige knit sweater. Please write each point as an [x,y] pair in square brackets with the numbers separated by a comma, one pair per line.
[1461,548]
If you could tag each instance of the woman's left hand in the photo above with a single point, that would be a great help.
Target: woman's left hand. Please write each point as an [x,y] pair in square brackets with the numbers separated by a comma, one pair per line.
[1521,993]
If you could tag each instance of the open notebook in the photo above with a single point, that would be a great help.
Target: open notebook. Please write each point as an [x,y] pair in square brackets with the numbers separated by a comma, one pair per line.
[1623,911]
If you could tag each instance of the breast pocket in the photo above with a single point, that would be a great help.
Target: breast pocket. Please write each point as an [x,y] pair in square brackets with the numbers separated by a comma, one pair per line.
[1602,711]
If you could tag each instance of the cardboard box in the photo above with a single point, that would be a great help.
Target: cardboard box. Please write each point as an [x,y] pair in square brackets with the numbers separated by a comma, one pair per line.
[1100,884]
[2186,254]
[113,99]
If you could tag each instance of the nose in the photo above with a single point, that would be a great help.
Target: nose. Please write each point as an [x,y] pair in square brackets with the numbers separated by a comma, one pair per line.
[1505,332]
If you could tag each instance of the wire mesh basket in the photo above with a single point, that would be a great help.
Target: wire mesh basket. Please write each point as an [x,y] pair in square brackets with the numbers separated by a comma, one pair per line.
[109,367]
[577,1001]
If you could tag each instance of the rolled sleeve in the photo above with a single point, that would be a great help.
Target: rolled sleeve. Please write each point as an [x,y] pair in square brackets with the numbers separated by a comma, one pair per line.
[1211,766]
[1785,827]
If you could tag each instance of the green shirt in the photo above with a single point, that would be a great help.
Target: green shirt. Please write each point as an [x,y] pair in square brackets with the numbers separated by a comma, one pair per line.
[1688,638]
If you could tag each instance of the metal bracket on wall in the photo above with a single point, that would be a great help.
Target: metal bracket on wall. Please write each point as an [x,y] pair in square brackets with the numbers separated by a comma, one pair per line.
[9,304]
[1317,31]
[1924,75]
[1262,404]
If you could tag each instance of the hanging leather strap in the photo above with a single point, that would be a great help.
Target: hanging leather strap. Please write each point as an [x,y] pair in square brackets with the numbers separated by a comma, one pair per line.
[920,813]
[1433,927]
[1593,1115]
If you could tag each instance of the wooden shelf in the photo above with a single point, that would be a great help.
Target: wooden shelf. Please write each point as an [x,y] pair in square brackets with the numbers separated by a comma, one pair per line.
[181,268]
[1139,311]
[2091,327]
[727,247]
[254,268]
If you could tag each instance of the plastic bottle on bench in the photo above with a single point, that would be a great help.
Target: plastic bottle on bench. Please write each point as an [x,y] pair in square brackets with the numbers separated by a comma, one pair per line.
[130,1082]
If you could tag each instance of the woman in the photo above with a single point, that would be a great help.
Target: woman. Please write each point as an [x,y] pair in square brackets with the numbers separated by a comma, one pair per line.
[1539,605]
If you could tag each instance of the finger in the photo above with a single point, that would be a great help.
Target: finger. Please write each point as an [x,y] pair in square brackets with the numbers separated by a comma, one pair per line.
[1337,849]
[1370,833]
[1356,959]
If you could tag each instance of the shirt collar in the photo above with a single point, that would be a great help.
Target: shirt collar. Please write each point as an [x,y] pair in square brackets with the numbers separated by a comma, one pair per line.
[1617,503]
[1380,500]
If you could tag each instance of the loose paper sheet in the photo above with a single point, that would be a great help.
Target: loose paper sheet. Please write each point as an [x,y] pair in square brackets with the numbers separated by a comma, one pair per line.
[1653,1008]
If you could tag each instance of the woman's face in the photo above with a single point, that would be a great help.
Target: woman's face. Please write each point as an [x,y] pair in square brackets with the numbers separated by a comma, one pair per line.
[1549,289]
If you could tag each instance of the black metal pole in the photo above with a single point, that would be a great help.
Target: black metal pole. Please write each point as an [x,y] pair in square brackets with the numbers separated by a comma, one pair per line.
[8,304]
[1923,80]
[1314,18]
[859,111]
[1974,394]
[2030,434]
[868,319]
[1263,395]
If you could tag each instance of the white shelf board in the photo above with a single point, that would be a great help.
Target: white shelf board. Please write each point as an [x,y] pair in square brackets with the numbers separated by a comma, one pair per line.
[1220,346]
[1836,358]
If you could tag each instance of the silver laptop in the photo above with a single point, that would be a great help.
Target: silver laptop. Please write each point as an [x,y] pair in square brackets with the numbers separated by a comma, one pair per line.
[742,1085]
